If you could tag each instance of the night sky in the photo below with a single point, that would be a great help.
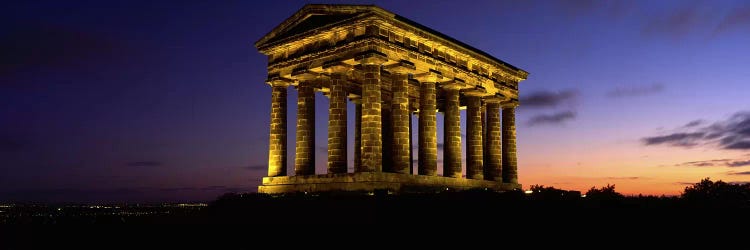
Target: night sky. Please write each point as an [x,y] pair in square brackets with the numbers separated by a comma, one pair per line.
[151,101]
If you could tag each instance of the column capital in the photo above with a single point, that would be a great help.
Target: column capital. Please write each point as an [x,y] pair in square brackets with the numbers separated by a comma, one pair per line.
[455,84]
[277,81]
[477,91]
[355,98]
[431,76]
[401,67]
[304,74]
[496,99]
[371,57]
[509,104]
[337,67]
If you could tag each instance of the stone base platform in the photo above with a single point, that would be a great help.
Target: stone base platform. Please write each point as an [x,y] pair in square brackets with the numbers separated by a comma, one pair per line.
[375,181]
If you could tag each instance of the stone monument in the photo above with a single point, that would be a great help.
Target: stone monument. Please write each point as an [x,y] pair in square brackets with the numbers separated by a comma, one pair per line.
[391,68]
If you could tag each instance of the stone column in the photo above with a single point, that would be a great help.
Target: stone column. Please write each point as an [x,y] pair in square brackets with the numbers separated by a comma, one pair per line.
[386,121]
[411,145]
[371,129]
[509,170]
[277,143]
[357,135]
[493,155]
[401,158]
[401,121]
[304,161]
[452,133]
[483,111]
[428,124]
[337,125]
[474,152]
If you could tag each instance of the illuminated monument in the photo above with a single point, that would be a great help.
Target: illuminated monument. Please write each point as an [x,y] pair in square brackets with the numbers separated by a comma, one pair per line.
[391,68]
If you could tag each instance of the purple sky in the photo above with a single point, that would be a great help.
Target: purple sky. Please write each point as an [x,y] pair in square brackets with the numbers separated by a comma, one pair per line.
[157,101]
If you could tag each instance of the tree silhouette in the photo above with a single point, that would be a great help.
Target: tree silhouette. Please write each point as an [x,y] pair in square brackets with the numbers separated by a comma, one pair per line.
[551,193]
[720,193]
[604,193]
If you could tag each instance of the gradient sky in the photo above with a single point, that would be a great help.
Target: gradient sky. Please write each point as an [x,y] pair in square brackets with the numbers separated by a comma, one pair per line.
[157,101]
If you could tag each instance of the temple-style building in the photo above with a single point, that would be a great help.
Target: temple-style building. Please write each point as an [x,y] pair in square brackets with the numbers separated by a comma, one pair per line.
[391,68]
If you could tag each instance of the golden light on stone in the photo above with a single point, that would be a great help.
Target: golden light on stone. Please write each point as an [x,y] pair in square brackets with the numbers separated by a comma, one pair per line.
[391,68]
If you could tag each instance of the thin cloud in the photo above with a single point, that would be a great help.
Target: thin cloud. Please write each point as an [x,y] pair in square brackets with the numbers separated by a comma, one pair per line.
[9,144]
[731,134]
[635,90]
[694,123]
[715,163]
[738,163]
[548,99]
[579,7]
[552,119]
[708,163]
[675,139]
[177,189]
[33,45]
[255,167]
[696,18]
[740,173]
[684,183]
[144,164]
[216,187]
[625,178]
[676,24]
[737,19]
[738,145]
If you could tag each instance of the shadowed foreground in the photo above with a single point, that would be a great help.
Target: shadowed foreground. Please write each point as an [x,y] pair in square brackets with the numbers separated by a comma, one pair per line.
[708,200]
[544,211]
[462,207]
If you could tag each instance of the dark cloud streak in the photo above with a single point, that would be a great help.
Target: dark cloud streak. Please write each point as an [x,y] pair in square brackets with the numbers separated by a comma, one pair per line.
[8,144]
[547,99]
[715,163]
[144,164]
[694,123]
[731,134]
[636,90]
[625,178]
[29,46]
[676,139]
[555,118]
[676,24]
[255,167]
[736,20]
[739,163]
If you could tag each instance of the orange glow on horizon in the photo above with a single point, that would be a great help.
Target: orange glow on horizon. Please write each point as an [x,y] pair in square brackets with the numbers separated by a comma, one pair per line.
[633,170]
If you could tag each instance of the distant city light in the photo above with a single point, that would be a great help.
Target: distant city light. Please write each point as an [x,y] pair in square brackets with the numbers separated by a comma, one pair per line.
[528,191]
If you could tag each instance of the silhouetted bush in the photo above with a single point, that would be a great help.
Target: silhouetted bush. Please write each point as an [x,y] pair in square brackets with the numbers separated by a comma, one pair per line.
[719,193]
[551,193]
[604,193]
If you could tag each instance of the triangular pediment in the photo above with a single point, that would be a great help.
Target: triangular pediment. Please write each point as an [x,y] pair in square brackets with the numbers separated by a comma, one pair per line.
[313,16]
